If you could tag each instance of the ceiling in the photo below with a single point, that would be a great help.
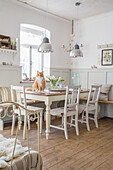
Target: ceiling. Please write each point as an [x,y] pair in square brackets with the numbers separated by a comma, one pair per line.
[66,8]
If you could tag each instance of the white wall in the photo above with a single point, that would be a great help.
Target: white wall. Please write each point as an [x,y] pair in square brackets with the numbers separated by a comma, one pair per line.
[13,13]
[90,32]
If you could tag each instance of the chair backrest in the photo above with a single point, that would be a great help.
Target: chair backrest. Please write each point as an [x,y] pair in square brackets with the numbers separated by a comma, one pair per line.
[75,97]
[94,99]
[5,94]
[74,90]
[17,98]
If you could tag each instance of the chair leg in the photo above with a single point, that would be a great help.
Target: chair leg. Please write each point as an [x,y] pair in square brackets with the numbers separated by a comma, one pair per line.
[96,119]
[65,128]
[87,120]
[83,116]
[41,115]
[24,130]
[62,121]
[28,122]
[13,125]
[71,121]
[76,125]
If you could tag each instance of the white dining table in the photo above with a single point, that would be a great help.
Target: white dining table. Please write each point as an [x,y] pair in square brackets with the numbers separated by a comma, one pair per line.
[47,97]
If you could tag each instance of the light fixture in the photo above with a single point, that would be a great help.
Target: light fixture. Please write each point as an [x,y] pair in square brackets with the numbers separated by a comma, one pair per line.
[76,52]
[45,46]
[70,45]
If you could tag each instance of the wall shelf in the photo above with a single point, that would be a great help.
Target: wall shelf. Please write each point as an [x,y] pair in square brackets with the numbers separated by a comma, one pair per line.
[8,51]
[105,46]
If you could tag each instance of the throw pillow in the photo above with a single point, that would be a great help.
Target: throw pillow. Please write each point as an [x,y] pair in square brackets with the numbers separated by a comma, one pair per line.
[104,92]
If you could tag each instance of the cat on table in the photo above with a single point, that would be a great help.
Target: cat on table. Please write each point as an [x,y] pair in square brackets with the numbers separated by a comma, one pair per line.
[40,83]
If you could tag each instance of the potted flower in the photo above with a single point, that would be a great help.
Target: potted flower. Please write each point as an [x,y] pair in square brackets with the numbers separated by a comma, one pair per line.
[53,79]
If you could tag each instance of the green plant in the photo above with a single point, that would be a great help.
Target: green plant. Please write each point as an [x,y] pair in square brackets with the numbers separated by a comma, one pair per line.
[14,43]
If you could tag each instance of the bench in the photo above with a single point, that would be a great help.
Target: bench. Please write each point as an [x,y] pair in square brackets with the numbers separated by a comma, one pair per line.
[105,102]
[106,107]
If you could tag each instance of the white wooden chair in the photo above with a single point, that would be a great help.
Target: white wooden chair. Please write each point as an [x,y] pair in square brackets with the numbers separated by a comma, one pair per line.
[91,106]
[68,112]
[17,90]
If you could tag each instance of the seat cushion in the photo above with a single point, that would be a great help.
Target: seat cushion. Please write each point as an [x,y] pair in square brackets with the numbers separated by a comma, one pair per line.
[70,111]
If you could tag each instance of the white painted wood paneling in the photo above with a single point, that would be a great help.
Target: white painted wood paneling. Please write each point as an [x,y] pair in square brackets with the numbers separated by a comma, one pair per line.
[110,77]
[96,77]
[9,75]
[83,77]
[100,76]
[63,72]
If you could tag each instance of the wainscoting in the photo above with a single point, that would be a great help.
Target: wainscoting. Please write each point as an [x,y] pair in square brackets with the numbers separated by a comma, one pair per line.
[99,76]
[63,72]
[10,75]
[92,76]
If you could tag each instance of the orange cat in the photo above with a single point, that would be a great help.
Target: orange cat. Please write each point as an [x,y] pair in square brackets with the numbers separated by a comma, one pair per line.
[40,83]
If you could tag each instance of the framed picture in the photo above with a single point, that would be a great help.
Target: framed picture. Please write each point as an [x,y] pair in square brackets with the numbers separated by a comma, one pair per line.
[107,57]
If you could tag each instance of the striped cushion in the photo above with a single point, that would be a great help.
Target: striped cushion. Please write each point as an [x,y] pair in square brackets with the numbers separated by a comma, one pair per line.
[5,94]
[22,162]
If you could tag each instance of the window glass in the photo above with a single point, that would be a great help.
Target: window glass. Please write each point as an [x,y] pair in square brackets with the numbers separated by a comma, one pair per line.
[30,59]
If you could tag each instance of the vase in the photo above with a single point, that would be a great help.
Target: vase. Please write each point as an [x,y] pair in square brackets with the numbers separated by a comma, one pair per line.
[53,84]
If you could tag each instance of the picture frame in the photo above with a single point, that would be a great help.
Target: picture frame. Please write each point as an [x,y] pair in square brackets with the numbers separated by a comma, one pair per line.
[107,57]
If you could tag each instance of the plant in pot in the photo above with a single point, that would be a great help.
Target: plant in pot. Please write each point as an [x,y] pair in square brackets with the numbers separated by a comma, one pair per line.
[53,80]
[13,44]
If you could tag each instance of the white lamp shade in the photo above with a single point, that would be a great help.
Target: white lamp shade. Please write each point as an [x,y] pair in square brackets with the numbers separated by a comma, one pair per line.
[45,47]
[76,52]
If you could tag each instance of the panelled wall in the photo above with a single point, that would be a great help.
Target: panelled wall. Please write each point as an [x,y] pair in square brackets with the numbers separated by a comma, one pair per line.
[10,75]
[99,76]
[88,76]
[92,76]
[63,72]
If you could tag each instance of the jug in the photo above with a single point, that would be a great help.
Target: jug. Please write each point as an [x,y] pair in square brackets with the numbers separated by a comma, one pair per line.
[76,79]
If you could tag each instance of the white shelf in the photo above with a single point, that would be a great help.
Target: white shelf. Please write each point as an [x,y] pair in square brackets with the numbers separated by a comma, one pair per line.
[8,51]
[105,46]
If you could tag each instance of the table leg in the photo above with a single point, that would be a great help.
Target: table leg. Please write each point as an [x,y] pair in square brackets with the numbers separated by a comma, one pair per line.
[48,104]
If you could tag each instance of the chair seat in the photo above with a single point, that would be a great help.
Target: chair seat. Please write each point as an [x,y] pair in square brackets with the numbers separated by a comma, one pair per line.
[91,107]
[36,109]
[70,111]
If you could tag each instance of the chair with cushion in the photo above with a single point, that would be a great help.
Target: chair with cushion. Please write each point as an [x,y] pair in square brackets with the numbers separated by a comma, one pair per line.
[21,100]
[91,106]
[68,111]
[5,95]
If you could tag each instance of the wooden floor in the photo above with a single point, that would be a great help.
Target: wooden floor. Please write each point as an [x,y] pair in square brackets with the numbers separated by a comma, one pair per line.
[88,151]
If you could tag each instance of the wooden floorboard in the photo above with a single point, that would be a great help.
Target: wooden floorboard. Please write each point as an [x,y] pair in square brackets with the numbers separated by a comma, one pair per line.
[88,151]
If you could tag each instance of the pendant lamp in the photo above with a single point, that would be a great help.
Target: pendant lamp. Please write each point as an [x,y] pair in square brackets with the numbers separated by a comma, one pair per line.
[45,46]
[76,52]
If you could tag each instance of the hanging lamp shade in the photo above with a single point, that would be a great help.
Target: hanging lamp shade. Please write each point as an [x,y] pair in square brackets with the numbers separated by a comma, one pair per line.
[76,52]
[45,46]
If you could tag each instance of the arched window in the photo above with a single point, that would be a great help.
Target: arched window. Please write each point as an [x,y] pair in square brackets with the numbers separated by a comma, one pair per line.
[30,59]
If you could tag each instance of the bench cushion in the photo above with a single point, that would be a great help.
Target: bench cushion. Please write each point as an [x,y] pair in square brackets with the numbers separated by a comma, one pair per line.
[104,93]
